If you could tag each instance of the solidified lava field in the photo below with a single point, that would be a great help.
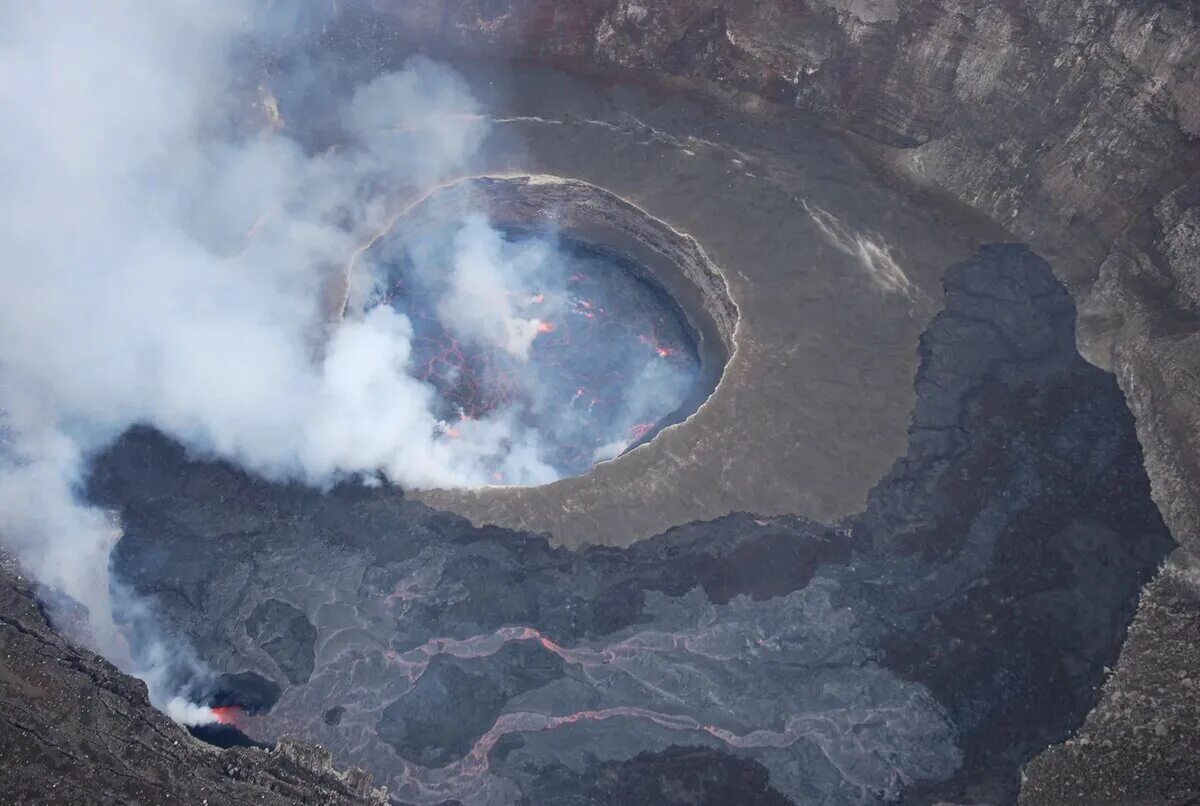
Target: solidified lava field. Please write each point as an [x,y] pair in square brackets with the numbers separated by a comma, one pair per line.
[612,359]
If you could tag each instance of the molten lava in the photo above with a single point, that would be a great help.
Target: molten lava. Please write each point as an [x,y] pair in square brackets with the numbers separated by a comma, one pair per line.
[611,355]
[226,714]
[660,349]
[639,431]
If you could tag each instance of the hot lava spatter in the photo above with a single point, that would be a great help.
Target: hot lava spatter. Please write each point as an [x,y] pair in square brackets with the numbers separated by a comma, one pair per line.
[611,354]
[226,714]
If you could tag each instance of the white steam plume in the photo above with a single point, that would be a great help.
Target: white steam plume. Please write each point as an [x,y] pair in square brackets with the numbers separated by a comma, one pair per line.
[166,256]
[476,305]
[189,713]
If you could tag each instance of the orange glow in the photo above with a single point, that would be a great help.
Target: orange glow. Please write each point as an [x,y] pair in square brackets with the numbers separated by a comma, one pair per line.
[226,714]
[639,431]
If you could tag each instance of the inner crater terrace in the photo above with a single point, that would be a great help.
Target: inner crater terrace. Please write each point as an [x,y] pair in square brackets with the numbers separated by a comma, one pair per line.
[431,402]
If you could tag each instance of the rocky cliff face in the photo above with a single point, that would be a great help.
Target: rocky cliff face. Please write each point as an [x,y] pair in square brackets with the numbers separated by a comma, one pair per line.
[1139,744]
[73,729]
[1062,119]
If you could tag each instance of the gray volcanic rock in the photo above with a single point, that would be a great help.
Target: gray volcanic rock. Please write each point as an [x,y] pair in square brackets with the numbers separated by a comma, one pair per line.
[1139,744]
[924,649]
[286,635]
[450,707]
[1147,305]
[677,775]
[442,716]
[73,729]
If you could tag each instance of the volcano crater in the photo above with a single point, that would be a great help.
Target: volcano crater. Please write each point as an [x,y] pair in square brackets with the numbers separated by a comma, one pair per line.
[615,326]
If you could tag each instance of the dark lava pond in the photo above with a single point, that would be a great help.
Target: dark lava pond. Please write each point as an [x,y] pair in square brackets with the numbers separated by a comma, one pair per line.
[572,350]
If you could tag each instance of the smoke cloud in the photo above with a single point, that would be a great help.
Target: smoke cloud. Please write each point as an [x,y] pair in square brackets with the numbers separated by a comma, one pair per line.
[167,252]
[170,250]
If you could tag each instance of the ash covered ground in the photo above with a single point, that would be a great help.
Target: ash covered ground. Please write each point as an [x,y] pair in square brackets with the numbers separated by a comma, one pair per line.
[925,649]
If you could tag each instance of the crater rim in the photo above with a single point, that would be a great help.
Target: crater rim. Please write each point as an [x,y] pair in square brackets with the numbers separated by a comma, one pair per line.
[582,213]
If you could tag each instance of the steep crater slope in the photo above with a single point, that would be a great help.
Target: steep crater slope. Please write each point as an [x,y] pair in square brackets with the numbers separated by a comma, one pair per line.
[73,729]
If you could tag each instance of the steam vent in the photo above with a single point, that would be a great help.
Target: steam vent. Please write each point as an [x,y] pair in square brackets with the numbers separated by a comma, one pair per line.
[708,402]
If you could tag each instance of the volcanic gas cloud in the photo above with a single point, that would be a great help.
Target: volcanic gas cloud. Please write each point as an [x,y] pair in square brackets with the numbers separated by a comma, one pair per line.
[169,250]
